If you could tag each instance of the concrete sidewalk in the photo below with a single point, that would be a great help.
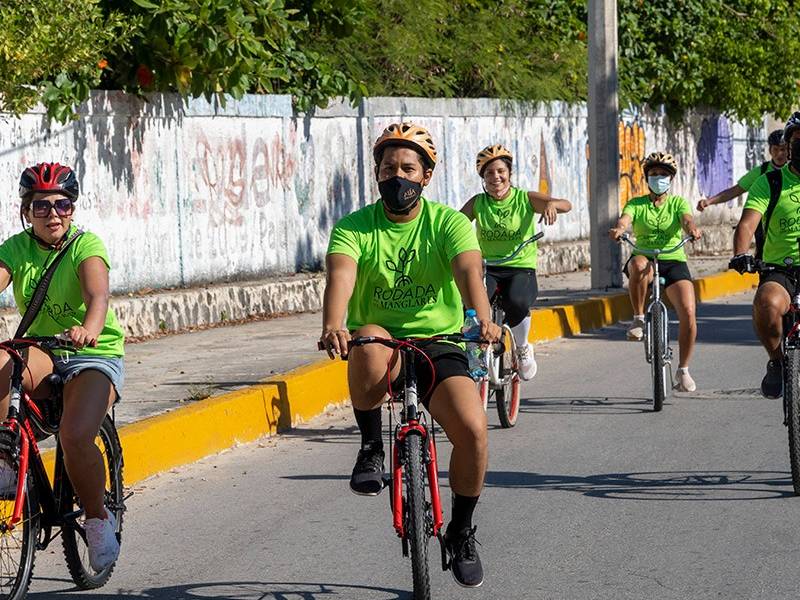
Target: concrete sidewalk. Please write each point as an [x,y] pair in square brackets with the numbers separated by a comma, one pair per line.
[178,370]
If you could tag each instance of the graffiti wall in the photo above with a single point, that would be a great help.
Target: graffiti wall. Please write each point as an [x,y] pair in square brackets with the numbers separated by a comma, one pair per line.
[188,193]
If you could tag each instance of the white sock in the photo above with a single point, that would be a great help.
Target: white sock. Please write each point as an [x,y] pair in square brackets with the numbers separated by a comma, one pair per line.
[638,317]
[521,331]
[684,370]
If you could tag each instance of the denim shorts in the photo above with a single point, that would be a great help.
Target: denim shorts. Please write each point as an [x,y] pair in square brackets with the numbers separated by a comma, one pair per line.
[112,367]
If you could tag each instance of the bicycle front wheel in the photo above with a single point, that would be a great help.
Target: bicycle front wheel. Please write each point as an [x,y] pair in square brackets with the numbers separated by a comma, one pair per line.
[659,368]
[507,397]
[18,546]
[791,392]
[417,509]
[73,535]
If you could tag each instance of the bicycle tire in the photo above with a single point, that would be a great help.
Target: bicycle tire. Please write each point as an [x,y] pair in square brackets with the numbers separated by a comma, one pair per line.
[657,363]
[14,586]
[73,536]
[416,525]
[791,392]
[507,397]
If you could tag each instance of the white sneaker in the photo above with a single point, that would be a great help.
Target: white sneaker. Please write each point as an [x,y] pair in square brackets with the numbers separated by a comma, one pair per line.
[685,382]
[101,537]
[636,330]
[526,362]
[8,479]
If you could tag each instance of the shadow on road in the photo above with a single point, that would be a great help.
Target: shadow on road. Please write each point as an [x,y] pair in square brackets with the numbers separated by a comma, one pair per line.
[231,590]
[585,405]
[656,485]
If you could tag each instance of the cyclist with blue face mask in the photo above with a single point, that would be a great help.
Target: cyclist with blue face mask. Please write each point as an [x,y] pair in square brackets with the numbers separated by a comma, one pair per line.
[658,220]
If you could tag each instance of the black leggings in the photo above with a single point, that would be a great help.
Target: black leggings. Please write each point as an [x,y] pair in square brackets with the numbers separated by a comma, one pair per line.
[518,291]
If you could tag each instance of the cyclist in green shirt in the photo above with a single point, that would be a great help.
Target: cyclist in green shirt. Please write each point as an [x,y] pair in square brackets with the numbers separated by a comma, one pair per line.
[76,305]
[777,214]
[505,217]
[777,152]
[658,220]
[403,267]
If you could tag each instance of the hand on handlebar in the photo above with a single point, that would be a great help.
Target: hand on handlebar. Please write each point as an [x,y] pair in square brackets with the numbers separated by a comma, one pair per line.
[695,233]
[80,337]
[490,330]
[743,263]
[334,341]
[615,233]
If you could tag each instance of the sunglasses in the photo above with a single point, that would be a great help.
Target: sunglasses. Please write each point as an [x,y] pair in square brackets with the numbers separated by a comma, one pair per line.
[42,208]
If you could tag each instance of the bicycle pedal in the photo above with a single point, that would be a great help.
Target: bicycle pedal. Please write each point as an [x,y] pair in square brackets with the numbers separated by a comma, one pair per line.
[445,557]
[386,480]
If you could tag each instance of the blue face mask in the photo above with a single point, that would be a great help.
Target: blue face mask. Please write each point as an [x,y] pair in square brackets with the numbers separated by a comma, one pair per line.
[658,184]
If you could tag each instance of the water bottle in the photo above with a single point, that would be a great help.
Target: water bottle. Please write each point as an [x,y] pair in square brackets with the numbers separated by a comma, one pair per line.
[476,356]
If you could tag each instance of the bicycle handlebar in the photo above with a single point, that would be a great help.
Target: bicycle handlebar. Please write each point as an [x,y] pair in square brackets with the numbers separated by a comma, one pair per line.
[655,253]
[60,342]
[517,250]
[395,343]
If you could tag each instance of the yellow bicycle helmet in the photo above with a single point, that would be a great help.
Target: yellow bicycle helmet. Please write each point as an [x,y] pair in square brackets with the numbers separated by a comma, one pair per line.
[408,135]
[491,153]
[660,159]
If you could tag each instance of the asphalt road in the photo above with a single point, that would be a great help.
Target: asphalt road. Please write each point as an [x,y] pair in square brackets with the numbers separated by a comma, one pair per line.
[591,496]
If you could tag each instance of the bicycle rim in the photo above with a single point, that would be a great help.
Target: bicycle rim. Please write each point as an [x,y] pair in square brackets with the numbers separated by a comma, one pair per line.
[417,509]
[507,397]
[791,393]
[18,546]
[658,366]
[76,552]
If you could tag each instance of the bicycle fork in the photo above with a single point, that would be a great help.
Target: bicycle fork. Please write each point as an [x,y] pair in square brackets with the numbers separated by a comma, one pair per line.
[429,460]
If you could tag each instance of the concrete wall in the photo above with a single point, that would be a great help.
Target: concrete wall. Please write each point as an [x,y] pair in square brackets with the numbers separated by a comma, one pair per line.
[190,193]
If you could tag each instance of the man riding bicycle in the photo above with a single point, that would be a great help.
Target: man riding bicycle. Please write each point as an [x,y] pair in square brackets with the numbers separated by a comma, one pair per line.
[658,219]
[773,203]
[504,216]
[403,267]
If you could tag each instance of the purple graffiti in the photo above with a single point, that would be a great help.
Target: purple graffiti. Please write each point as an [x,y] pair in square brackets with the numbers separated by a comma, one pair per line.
[714,156]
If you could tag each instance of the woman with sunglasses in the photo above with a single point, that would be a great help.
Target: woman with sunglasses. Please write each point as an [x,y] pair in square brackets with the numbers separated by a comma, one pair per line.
[76,305]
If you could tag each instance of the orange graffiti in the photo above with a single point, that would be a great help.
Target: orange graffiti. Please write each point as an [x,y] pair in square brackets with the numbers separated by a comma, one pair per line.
[631,153]
[544,171]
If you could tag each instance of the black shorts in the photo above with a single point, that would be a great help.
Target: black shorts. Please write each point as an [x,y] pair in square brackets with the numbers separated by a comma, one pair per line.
[448,360]
[671,271]
[518,289]
[779,278]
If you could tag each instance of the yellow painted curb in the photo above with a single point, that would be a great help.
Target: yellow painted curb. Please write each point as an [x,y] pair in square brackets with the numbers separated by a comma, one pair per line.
[187,434]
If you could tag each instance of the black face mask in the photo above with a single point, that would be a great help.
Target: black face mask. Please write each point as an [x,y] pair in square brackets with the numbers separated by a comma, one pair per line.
[794,151]
[399,195]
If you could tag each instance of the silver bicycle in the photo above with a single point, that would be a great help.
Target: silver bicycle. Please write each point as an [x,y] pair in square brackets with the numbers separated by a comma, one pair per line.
[656,330]
[502,372]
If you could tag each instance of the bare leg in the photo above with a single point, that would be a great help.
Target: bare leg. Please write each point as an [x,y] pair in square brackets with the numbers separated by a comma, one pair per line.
[770,304]
[681,295]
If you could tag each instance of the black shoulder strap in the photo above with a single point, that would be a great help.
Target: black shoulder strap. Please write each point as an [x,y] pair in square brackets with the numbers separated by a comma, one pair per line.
[775,180]
[765,166]
[35,305]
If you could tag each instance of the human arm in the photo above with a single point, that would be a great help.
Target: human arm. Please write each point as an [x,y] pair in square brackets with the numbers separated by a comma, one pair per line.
[5,276]
[723,196]
[340,280]
[689,226]
[469,207]
[548,206]
[745,230]
[622,225]
[468,274]
[93,277]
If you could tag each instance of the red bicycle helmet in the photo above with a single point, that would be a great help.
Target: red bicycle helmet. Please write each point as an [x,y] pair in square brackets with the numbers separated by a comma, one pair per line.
[48,177]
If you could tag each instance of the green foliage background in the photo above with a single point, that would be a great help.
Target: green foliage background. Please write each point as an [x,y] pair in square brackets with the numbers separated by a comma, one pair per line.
[742,58]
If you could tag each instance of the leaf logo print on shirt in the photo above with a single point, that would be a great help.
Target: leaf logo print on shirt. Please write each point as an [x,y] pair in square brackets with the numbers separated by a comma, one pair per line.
[404,258]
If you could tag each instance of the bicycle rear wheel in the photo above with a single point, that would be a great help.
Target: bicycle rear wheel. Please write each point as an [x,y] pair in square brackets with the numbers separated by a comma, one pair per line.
[18,546]
[658,366]
[791,392]
[507,397]
[417,509]
[73,535]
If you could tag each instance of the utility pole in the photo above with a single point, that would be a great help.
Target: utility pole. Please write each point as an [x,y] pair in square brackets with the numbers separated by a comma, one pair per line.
[603,143]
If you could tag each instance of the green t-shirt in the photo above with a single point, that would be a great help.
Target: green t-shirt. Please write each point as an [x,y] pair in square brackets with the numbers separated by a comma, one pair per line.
[658,227]
[749,178]
[502,225]
[63,306]
[784,224]
[404,281]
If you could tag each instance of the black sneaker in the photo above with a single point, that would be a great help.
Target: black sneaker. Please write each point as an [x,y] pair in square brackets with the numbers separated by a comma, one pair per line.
[464,560]
[367,478]
[772,384]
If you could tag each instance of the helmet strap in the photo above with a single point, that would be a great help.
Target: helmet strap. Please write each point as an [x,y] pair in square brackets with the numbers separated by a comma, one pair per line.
[37,239]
